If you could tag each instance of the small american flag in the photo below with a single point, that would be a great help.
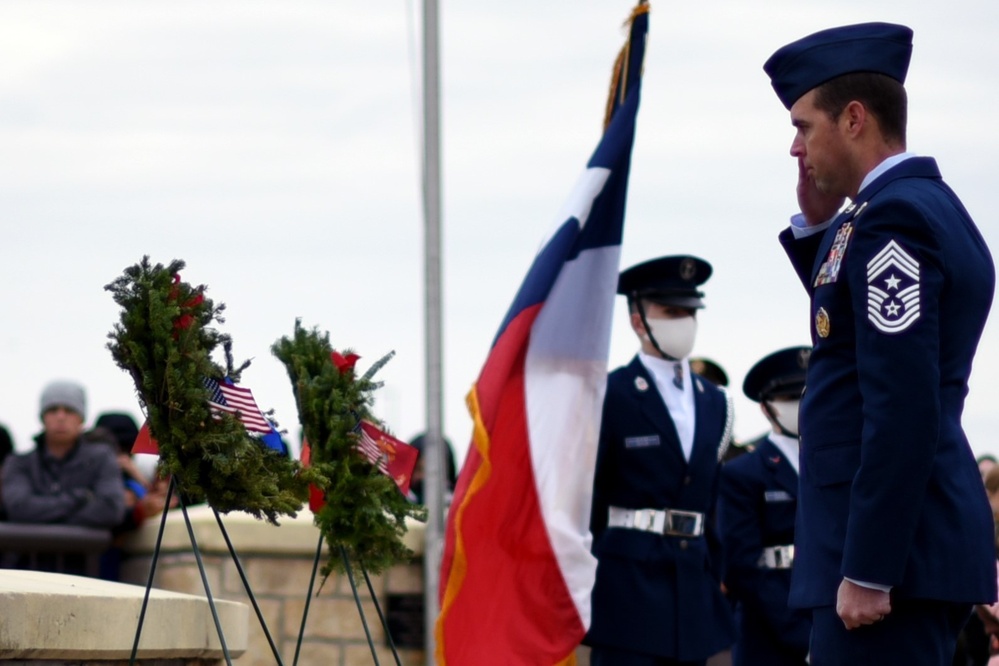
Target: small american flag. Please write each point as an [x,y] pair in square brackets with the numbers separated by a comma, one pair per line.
[238,401]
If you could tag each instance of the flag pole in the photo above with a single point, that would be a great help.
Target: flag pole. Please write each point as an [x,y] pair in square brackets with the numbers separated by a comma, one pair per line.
[433,441]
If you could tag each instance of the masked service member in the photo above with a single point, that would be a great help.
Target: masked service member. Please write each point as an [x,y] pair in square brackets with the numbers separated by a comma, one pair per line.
[657,600]
[756,512]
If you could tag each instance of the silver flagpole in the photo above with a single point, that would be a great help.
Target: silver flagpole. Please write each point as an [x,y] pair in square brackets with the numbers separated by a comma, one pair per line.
[433,442]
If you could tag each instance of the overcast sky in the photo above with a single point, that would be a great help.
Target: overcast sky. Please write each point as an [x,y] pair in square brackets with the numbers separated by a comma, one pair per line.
[275,147]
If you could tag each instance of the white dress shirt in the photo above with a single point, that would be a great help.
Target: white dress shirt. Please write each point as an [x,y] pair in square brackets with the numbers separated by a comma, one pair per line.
[788,446]
[679,401]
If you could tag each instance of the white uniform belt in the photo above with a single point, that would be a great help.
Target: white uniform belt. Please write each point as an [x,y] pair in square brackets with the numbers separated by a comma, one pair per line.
[671,522]
[777,557]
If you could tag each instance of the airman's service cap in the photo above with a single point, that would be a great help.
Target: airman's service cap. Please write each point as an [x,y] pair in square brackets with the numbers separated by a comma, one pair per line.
[884,48]
[667,280]
[779,373]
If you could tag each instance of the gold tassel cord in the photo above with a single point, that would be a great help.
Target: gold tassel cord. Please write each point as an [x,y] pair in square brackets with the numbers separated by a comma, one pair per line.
[619,78]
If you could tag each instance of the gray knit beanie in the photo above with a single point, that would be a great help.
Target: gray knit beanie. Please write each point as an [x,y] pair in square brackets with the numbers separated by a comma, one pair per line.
[65,394]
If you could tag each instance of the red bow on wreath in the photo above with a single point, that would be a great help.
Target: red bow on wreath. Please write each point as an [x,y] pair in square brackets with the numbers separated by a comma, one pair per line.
[343,363]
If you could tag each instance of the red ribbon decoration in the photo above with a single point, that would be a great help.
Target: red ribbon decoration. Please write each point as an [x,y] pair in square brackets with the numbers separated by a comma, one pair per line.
[185,320]
[317,498]
[343,363]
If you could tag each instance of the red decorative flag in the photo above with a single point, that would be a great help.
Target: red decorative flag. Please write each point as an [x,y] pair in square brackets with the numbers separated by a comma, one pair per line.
[144,442]
[393,457]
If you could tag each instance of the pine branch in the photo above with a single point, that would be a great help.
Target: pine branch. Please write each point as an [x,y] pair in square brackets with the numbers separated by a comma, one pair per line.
[164,340]
[364,511]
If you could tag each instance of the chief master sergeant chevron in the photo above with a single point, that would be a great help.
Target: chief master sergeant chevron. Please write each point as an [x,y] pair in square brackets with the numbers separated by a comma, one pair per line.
[893,542]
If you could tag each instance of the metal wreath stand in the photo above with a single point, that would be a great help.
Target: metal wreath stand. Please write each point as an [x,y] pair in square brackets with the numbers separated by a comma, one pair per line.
[249,591]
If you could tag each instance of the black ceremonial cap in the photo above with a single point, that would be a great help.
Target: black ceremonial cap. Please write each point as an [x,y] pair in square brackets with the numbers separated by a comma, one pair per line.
[667,280]
[782,372]
[884,48]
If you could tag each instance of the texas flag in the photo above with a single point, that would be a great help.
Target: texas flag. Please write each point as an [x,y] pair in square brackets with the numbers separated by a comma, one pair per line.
[517,571]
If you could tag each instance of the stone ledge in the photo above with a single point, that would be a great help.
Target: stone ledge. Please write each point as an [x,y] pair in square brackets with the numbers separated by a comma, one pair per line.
[50,616]
[294,536]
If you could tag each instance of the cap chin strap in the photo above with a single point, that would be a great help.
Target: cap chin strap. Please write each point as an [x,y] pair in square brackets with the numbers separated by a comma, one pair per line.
[648,330]
[773,417]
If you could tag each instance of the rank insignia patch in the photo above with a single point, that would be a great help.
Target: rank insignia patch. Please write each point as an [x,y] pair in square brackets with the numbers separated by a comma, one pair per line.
[892,289]
[829,271]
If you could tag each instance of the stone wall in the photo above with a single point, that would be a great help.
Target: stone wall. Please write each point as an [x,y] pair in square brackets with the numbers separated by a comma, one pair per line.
[278,561]
[51,619]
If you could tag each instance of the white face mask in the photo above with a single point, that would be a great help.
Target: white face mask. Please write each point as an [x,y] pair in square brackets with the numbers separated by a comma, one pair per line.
[786,414]
[674,336]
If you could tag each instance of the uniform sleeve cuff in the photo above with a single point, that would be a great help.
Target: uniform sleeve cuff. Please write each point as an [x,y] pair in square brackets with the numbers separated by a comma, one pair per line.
[800,228]
[870,586]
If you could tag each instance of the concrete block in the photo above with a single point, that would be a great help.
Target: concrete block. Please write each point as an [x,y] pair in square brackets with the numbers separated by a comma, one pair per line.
[56,616]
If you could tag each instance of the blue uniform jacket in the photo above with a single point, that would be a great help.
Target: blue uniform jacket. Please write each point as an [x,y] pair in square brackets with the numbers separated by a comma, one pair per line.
[656,594]
[756,509]
[901,284]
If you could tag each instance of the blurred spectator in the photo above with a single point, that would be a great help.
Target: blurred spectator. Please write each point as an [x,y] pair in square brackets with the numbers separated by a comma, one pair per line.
[61,481]
[988,615]
[6,444]
[119,431]
[449,471]
[986,461]
[6,448]
[144,497]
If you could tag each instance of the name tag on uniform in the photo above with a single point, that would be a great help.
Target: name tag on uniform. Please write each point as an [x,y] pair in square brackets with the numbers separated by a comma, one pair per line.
[642,442]
[777,496]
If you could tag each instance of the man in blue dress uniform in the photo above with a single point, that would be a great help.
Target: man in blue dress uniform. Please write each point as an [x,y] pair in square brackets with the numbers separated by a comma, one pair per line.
[657,600]
[756,511]
[893,542]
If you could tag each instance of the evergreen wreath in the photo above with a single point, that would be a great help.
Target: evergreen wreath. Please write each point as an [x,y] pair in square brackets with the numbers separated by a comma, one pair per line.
[164,340]
[364,512]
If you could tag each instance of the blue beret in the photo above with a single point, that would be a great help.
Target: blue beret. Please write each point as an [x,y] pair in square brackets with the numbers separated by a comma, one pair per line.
[782,372]
[884,48]
[667,280]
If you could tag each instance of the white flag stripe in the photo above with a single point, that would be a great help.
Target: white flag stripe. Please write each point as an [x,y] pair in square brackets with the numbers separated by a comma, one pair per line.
[564,394]
[369,449]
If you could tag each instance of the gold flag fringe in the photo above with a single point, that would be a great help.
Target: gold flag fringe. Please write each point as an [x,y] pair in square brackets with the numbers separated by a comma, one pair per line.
[619,77]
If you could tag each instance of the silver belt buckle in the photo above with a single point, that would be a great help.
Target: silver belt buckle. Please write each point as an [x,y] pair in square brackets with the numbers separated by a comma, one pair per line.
[684,523]
[777,557]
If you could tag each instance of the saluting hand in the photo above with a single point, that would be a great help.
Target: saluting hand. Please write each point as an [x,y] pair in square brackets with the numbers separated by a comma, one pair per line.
[857,605]
[816,206]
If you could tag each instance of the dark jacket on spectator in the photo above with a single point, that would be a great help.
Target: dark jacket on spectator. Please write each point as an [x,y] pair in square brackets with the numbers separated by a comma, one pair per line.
[82,488]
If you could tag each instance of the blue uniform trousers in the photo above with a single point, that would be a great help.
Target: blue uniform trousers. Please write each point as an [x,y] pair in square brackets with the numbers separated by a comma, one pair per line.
[915,633]
[601,656]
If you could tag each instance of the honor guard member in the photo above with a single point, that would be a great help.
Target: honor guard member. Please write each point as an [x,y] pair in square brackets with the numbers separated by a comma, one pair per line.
[756,510]
[893,542]
[657,600]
